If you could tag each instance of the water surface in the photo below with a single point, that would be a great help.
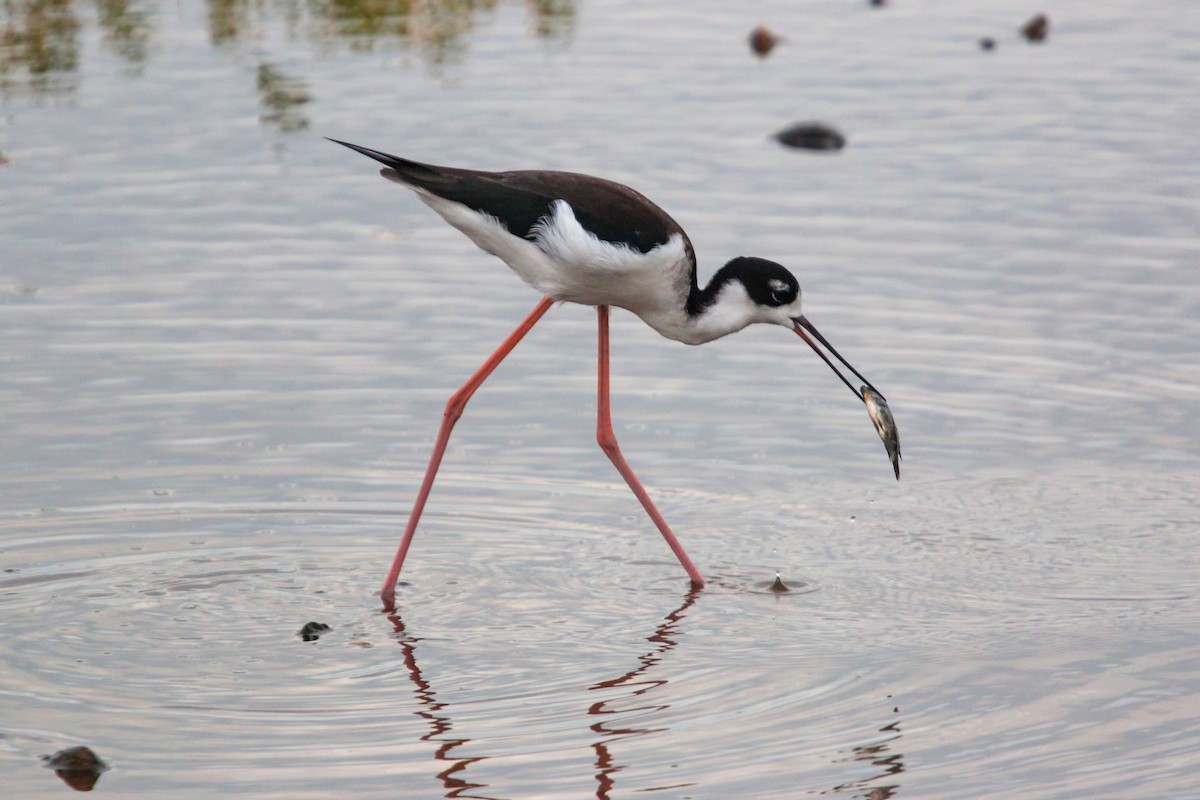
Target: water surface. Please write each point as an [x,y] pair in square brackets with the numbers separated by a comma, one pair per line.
[226,345]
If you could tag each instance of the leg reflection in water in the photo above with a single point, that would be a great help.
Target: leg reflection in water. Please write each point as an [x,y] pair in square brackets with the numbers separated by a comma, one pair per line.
[437,714]
[638,680]
[441,728]
[626,713]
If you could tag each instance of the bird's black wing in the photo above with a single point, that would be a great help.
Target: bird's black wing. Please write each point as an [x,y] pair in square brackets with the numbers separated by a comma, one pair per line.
[520,200]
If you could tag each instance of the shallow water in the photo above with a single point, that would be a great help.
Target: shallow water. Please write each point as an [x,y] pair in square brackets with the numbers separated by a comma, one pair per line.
[226,345]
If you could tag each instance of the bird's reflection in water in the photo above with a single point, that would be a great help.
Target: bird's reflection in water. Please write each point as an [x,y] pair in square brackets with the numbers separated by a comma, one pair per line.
[441,728]
[437,714]
[605,722]
[639,682]
[879,754]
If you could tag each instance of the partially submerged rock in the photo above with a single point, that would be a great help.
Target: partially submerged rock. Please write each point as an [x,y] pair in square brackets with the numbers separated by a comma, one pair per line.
[762,41]
[812,136]
[79,767]
[312,631]
[1036,29]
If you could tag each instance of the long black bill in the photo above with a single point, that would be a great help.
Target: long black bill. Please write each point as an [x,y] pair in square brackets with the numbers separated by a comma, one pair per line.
[802,325]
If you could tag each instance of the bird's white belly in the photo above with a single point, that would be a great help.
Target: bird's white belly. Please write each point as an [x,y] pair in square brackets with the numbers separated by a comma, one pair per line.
[568,263]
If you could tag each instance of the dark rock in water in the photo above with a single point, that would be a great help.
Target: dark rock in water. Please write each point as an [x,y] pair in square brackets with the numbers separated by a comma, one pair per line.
[779,587]
[79,767]
[987,43]
[812,136]
[1035,30]
[312,631]
[762,41]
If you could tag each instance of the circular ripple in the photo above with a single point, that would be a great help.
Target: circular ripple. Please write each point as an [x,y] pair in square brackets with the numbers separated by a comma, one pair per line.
[534,625]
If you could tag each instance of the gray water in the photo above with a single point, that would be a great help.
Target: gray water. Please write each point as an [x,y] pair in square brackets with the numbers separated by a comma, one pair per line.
[225,345]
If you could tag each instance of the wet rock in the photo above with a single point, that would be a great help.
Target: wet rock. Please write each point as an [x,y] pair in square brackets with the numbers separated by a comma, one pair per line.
[1036,29]
[762,41]
[779,587]
[987,43]
[78,767]
[312,631]
[812,136]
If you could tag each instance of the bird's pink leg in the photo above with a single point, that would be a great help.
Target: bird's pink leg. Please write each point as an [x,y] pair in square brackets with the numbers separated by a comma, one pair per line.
[454,410]
[608,443]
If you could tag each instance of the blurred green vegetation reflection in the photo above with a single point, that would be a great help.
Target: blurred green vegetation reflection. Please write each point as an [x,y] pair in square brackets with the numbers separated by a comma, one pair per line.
[282,98]
[40,40]
[39,44]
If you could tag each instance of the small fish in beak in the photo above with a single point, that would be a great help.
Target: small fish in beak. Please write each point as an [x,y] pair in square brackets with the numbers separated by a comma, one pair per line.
[885,425]
[877,406]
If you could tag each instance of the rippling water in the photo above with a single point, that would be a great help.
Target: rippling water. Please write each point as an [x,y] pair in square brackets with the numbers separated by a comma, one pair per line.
[226,344]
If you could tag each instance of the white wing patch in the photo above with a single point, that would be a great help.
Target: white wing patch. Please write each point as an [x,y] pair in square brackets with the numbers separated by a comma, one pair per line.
[568,263]
[562,238]
[596,272]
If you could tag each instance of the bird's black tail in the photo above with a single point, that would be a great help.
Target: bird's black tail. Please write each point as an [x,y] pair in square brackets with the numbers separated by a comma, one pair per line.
[402,165]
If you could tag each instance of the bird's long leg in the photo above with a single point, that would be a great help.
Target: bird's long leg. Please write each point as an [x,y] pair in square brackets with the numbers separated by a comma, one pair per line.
[608,443]
[454,410]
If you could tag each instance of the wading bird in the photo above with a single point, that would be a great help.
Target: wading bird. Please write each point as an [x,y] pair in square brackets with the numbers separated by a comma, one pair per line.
[580,239]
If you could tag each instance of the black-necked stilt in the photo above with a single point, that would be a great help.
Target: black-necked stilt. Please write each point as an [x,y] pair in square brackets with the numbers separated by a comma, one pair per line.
[587,240]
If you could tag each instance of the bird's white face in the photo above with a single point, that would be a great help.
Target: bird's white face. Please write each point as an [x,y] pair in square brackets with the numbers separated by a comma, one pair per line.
[738,305]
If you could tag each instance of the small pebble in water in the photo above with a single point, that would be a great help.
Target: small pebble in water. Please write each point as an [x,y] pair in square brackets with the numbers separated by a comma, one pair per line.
[1035,30]
[762,41]
[312,631]
[78,767]
[987,43]
[812,136]
[779,587]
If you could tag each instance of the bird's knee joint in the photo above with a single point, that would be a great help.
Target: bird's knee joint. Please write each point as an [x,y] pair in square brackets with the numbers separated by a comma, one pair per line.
[607,441]
[455,405]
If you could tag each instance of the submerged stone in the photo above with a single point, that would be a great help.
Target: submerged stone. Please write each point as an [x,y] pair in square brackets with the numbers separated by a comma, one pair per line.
[79,767]
[762,41]
[312,631]
[1035,29]
[812,136]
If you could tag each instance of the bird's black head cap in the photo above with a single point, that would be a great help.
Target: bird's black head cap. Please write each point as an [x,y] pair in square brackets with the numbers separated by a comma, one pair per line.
[768,284]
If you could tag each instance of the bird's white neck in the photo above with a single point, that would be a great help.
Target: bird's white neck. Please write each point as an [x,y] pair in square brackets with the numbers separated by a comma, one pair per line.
[726,309]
